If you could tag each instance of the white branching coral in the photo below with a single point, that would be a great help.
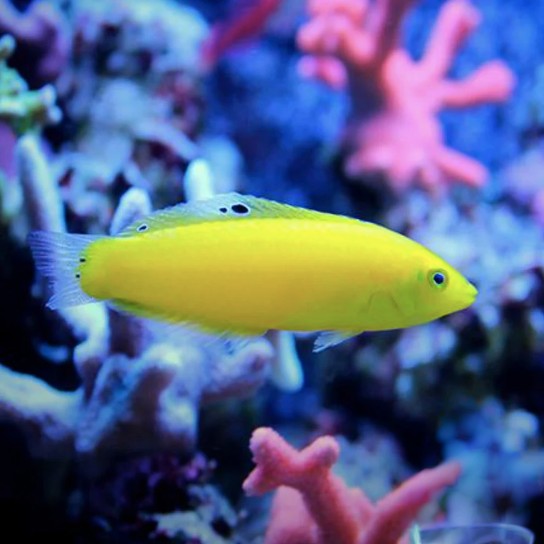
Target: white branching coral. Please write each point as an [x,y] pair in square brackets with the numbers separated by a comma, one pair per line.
[141,386]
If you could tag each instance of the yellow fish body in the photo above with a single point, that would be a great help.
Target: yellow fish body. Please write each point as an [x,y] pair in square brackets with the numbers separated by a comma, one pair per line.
[243,265]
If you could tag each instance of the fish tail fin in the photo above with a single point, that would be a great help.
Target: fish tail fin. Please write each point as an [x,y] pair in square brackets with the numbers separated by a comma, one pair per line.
[58,256]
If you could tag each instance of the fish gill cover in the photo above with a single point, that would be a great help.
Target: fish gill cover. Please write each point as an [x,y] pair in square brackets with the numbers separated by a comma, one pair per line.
[120,428]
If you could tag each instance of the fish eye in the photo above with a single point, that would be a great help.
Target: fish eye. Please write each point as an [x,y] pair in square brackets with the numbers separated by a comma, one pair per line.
[438,279]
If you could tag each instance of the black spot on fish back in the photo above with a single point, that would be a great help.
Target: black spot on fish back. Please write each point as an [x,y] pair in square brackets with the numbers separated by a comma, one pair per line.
[240,209]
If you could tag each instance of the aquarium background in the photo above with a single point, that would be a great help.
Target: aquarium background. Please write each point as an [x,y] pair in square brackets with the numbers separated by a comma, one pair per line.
[117,429]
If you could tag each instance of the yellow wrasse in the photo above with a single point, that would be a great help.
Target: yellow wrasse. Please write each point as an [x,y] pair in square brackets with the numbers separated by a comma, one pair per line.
[243,265]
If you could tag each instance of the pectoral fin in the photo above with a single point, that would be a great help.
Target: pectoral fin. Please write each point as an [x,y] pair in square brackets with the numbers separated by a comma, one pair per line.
[327,339]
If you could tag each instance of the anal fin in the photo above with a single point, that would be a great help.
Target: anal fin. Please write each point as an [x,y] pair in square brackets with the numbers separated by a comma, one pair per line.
[328,339]
[171,327]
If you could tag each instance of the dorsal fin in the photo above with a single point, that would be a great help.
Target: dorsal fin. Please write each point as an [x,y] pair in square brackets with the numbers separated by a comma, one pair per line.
[225,207]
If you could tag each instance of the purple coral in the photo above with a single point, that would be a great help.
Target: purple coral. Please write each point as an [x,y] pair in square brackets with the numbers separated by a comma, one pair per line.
[141,385]
[42,38]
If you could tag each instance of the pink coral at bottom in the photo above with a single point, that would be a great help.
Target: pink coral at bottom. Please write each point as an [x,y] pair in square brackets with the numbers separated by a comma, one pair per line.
[313,506]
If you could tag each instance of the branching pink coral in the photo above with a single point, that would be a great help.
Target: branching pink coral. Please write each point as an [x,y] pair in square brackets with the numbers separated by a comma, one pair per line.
[313,506]
[395,100]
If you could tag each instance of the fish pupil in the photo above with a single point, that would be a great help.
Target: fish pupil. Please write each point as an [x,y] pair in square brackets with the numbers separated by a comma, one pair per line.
[439,278]
[239,208]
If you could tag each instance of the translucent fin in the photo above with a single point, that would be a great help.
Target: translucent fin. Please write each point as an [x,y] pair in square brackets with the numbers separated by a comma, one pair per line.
[176,323]
[57,256]
[183,334]
[328,339]
[176,334]
[226,207]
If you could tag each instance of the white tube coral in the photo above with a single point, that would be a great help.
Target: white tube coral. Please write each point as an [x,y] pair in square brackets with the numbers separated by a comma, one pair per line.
[141,385]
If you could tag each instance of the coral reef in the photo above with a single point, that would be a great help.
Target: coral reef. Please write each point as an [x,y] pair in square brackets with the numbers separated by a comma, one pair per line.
[312,505]
[109,109]
[161,498]
[20,107]
[523,180]
[487,441]
[42,37]
[132,81]
[393,126]
[21,110]
[141,383]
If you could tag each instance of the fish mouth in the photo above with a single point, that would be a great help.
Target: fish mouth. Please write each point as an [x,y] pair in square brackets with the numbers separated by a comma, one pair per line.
[472,292]
[469,296]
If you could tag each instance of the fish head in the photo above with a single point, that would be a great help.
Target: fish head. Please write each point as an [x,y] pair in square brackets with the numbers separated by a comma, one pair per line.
[439,290]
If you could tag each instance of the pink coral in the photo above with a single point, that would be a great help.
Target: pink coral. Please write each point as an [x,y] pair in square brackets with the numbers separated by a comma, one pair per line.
[395,100]
[313,506]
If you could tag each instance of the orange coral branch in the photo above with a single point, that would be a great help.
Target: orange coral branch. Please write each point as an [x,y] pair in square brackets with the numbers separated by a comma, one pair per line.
[313,506]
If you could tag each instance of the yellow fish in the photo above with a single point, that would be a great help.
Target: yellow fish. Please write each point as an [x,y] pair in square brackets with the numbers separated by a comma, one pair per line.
[243,265]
